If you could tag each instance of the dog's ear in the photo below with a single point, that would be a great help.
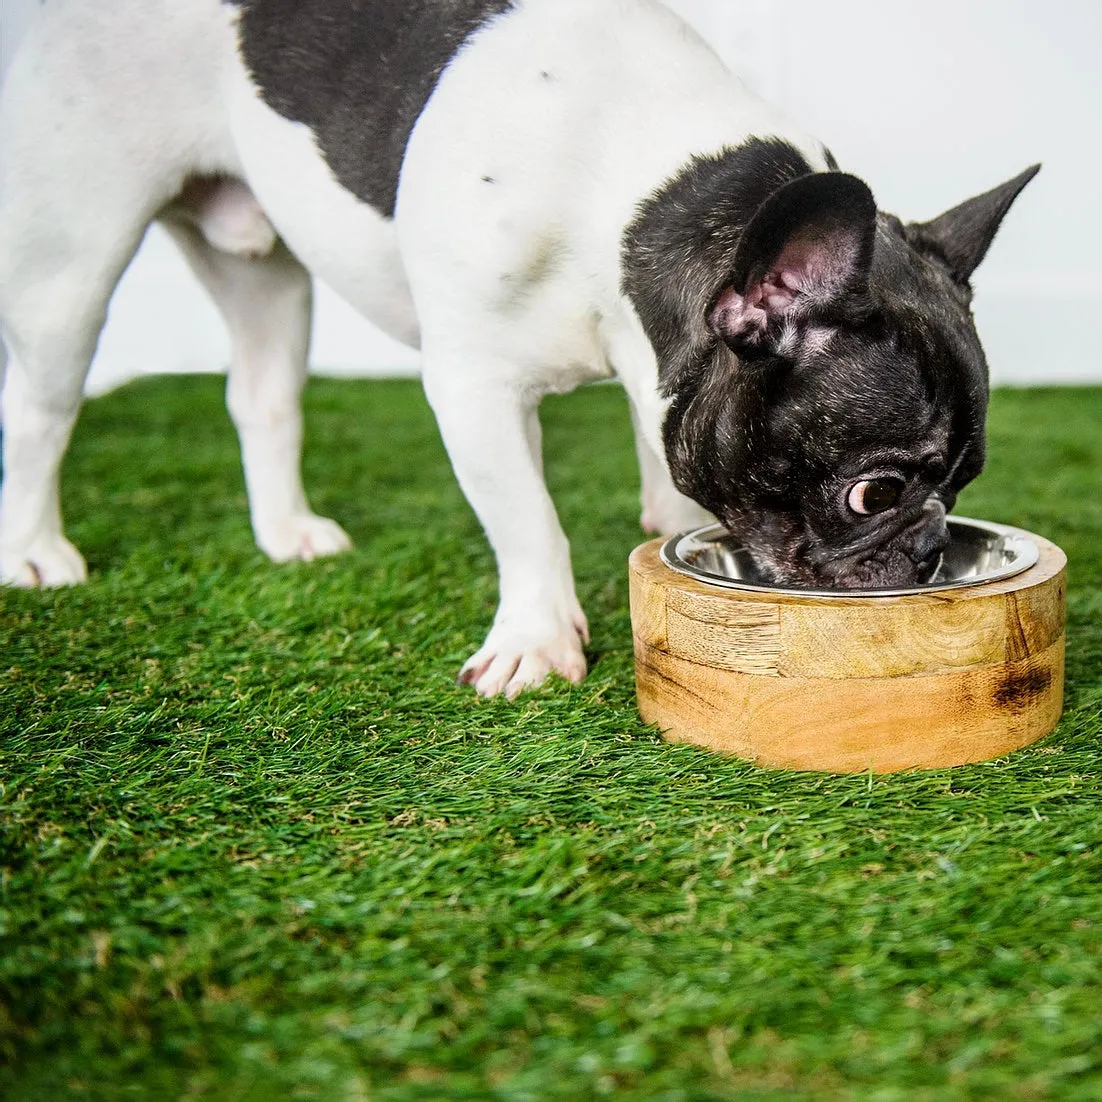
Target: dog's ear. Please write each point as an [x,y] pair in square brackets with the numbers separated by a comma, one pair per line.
[961,237]
[808,247]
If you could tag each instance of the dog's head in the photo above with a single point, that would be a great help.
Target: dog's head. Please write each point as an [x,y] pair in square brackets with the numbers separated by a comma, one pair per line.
[829,401]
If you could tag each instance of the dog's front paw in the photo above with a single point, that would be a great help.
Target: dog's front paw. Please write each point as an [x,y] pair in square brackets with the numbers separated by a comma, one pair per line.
[514,659]
[48,563]
[302,537]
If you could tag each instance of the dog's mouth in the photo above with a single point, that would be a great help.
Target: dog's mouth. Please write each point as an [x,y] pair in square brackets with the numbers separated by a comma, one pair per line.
[884,571]
[907,559]
[889,570]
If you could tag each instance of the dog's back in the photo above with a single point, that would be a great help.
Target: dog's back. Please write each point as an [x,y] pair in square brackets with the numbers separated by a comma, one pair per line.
[359,75]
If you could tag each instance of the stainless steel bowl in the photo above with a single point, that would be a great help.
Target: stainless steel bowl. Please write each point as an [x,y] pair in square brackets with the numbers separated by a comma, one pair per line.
[978,552]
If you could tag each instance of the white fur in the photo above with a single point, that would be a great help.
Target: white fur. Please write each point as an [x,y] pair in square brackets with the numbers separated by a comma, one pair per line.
[577,109]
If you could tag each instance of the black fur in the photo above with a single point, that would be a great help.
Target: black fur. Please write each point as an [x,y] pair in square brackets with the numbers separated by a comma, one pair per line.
[883,376]
[679,252]
[358,73]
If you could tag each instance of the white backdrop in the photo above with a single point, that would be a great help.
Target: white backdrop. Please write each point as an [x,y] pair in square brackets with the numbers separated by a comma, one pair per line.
[929,100]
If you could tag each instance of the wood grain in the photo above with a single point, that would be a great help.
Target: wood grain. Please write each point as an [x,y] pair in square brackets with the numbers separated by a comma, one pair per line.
[848,684]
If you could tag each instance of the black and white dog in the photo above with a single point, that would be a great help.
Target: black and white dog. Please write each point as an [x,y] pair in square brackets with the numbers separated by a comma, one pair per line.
[538,193]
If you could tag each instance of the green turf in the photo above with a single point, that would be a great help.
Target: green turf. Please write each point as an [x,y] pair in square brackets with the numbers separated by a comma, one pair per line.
[256,844]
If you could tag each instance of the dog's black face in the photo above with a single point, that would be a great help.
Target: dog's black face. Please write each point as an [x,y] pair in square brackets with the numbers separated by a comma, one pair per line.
[834,445]
[829,399]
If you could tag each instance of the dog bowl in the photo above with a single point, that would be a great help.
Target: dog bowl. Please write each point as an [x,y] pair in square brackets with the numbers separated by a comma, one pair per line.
[965,668]
[978,552]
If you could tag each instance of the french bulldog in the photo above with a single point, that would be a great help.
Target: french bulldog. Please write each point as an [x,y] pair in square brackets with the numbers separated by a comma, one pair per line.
[538,194]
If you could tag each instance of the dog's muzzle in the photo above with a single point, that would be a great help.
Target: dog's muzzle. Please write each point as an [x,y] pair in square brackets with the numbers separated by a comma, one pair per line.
[931,537]
[910,557]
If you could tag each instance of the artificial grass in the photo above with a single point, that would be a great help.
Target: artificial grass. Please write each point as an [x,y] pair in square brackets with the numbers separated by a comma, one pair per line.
[256,844]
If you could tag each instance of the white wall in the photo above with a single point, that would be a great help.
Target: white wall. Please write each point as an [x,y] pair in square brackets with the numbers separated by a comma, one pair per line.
[929,100]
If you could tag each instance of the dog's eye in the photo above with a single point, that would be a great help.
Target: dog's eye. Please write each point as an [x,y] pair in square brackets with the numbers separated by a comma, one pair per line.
[875,495]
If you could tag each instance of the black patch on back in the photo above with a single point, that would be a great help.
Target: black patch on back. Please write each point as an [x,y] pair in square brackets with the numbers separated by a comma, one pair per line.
[358,73]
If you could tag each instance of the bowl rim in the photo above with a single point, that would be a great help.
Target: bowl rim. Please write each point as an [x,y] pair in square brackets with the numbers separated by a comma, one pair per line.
[1028,555]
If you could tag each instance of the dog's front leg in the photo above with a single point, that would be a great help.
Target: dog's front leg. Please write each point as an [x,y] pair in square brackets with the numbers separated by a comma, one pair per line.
[490,429]
[666,511]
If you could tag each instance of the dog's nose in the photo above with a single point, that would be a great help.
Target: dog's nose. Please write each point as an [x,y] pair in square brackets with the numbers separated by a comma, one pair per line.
[931,541]
[931,537]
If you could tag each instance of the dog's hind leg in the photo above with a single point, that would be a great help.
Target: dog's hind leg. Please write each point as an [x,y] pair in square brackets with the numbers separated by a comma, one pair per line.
[264,294]
[87,158]
[53,303]
[62,251]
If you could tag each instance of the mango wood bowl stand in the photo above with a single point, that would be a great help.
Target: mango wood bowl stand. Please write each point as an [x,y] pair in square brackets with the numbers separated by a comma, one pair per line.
[851,684]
